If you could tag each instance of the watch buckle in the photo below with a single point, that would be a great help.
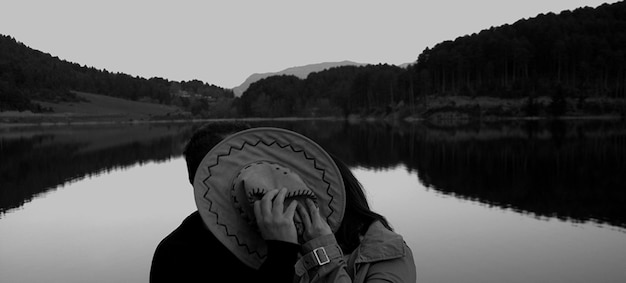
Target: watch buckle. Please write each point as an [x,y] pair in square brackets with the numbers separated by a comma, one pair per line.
[321,252]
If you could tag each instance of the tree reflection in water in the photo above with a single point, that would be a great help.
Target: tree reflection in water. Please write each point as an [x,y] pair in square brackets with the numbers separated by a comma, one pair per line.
[38,160]
[570,170]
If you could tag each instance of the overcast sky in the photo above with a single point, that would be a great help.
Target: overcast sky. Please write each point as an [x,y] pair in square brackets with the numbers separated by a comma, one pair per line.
[223,42]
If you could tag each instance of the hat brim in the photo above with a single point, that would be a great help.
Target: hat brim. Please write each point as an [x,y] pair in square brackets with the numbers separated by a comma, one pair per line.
[214,186]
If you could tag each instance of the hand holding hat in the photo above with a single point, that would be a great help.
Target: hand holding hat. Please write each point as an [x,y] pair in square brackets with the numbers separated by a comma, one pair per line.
[249,167]
[275,222]
[314,224]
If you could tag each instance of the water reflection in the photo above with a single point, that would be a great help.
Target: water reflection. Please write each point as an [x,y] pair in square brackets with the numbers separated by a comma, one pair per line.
[570,170]
[35,160]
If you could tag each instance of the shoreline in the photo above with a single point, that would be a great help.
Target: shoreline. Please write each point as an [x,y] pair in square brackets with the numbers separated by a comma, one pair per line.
[446,111]
[89,122]
[121,121]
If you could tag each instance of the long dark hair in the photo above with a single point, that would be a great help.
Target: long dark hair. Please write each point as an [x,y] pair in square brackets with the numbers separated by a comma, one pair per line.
[358,216]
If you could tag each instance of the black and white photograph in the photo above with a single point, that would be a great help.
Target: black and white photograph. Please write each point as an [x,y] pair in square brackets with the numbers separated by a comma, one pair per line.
[313,141]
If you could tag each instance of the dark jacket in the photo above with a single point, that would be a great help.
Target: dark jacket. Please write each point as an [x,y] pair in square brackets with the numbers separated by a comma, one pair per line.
[192,254]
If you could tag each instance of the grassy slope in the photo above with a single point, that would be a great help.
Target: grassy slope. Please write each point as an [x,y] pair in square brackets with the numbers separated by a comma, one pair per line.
[101,105]
[98,107]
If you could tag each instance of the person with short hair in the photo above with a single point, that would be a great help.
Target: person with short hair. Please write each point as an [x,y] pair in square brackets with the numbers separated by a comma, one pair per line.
[191,253]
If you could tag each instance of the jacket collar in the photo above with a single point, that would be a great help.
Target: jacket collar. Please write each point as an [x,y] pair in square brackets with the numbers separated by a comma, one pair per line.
[378,244]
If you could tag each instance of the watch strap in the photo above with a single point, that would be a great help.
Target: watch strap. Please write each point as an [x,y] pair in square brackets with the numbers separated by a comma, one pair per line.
[321,256]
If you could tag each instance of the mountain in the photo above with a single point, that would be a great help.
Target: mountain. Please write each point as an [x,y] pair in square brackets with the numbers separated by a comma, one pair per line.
[406,65]
[300,72]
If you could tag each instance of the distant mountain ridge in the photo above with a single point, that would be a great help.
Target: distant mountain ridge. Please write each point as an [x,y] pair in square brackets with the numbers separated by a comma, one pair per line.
[300,72]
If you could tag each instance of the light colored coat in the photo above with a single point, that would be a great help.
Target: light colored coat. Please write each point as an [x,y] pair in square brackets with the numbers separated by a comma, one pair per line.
[382,256]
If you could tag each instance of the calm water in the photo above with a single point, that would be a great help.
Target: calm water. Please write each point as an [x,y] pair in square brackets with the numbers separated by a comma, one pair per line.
[515,202]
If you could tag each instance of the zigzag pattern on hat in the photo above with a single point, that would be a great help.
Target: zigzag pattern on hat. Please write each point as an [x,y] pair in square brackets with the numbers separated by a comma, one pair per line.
[228,233]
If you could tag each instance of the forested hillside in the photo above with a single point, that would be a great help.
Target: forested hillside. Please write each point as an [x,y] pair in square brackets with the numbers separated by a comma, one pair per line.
[571,63]
[339,90]
[550,65]
[28,75]
[582,51]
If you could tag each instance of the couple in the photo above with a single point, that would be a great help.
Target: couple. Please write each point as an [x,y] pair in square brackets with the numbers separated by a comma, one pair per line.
[273,206]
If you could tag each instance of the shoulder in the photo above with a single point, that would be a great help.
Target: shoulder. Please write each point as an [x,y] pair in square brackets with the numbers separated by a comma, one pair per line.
[191,252]
[386,254]
[192,225]
[184,235]
[192,239]
[379,243]
[174,253]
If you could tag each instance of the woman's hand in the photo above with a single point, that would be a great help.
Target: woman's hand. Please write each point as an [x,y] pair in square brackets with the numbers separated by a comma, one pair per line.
[314,224]
[275,222]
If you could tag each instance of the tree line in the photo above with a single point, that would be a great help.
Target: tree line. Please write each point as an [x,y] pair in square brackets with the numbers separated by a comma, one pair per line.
[336,91]
[576,54]
[28,75]
[582,52]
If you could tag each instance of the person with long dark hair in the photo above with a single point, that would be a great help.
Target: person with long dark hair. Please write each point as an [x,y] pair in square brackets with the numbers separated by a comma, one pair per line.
[371,250]
[358,215]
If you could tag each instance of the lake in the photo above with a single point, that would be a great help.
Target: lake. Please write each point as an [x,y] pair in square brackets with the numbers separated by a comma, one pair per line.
[524,201]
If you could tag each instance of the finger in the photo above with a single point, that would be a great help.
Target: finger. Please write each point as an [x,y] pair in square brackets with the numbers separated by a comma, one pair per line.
[266,202]
[304,216]
[291,209]
[314,210]
[257,212]
[279,201]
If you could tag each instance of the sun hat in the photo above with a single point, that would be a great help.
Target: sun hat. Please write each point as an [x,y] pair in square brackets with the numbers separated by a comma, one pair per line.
[244,166]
